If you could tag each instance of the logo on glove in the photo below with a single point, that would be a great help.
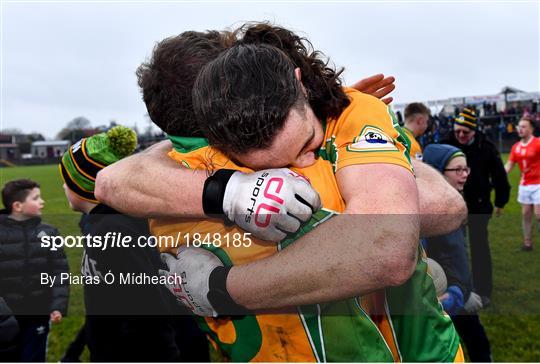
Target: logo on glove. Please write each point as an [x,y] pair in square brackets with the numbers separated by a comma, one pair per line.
[187,299]
[275,183]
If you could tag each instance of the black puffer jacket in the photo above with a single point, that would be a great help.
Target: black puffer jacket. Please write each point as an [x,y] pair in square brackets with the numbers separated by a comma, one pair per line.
[487,173]
[9,328]
[23,260]
[8,325]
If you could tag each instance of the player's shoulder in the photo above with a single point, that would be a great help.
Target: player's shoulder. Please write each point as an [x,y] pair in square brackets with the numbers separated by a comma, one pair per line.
[358,98]
[535,144]
[193,158]
[514,146]
[363,109]
[204,157]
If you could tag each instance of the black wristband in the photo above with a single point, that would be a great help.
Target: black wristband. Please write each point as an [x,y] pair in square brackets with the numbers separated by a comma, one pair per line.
[214,192]
[219,297]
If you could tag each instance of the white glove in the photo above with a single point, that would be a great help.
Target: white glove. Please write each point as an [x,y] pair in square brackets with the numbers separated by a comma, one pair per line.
[474,303]
[191,267]
[270,203]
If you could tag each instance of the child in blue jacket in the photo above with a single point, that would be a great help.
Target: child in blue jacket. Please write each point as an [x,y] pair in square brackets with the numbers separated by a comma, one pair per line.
[450,251]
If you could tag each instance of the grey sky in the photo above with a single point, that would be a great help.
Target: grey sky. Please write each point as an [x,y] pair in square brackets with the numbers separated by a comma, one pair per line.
[67,59]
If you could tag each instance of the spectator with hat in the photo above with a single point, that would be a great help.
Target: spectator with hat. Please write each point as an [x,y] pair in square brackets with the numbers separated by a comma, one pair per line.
[487,173]
[124,322]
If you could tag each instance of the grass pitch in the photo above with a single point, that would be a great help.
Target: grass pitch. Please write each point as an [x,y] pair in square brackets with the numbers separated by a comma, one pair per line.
[512,321]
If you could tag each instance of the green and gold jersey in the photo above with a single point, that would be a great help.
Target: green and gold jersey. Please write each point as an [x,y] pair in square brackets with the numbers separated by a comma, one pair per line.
[416,149]
[425,333]
[359,329]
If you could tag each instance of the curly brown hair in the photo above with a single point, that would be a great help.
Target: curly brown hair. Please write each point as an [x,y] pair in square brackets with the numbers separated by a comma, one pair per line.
[322,82]
[242,98]
[167,79]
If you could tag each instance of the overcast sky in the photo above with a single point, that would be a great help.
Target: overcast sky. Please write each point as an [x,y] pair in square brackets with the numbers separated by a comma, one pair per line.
[61,60]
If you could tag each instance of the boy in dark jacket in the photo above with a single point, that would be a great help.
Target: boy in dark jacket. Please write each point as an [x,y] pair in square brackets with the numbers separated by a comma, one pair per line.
[23,262]
[9,328]
[126,319]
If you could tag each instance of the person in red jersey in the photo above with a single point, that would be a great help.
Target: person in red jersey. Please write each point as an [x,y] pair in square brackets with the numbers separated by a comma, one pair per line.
[526,154]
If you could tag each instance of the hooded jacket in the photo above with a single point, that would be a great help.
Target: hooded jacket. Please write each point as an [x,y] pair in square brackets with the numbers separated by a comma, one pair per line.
[449,250]
[23,260]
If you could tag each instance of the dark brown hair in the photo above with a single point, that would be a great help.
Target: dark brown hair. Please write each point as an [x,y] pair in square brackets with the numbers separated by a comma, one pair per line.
[530,120]
[166,81]
[416,108]
[17,191]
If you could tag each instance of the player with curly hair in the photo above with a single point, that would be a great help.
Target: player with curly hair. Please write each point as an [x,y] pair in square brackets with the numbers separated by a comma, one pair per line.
[304,342]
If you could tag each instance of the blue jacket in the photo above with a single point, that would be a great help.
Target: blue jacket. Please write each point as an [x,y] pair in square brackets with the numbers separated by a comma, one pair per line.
[449,250]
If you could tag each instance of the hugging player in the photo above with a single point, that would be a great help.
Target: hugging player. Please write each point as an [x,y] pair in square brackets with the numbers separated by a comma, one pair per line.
[378,266]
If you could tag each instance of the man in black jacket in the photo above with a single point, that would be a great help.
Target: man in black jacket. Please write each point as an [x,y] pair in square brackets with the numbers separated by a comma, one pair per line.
[487,173]
[23,261]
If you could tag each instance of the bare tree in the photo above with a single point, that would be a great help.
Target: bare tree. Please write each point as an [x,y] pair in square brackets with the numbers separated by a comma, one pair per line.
[79,122]
[75,129]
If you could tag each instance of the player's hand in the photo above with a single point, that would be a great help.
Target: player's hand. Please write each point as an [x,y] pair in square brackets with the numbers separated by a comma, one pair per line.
[188,278]
[498,211]
[378,86]
[269,204]
[55,317]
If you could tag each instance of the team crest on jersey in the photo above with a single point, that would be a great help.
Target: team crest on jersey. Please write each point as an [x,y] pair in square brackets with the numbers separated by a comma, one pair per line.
[372,139]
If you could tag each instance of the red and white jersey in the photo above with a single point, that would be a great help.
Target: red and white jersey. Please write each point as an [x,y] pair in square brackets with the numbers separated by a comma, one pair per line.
[527,156]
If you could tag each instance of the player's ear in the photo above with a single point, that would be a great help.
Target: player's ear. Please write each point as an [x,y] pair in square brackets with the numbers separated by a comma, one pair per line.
[298,76]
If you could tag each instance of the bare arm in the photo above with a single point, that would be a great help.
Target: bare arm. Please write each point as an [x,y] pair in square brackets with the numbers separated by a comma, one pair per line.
[442,208]
[150,184]
[372,245]
[509,166]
